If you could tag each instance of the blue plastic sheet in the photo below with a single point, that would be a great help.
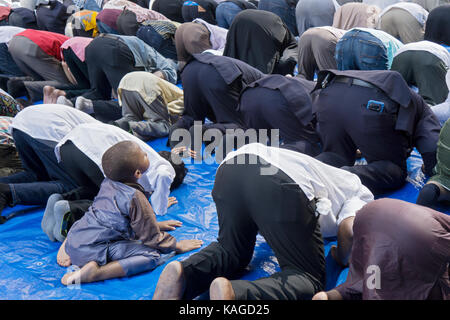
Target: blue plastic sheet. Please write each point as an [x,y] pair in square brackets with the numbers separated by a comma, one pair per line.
[28,257]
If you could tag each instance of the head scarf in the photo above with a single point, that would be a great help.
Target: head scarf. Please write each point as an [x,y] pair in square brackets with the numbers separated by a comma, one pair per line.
[352,15]
[191,38]
[170,8]
[400,251]
[256,37]
[442,168]
[437,27]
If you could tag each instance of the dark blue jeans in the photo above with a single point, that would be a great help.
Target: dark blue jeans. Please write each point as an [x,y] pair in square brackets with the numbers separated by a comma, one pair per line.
[43,175]
[7,64]
[282,9]
[360,50]
[225,13]
[104,28]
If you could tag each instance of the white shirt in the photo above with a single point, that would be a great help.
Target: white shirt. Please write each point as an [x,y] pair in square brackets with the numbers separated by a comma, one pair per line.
[93,139]
[340,193]
[416,10]
[8,32]
[439,51]
[49,122]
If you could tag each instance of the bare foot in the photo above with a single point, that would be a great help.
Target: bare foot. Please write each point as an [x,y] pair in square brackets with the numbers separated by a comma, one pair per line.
[48,90]
[321,296]
[188,245]
[221,289]
[171,283]
[56,94]
[63,258]
[86,274]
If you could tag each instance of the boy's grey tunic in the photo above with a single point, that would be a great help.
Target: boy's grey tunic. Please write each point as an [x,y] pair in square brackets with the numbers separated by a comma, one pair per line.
[119,226]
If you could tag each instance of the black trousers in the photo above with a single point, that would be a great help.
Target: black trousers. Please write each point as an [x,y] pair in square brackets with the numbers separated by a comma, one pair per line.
[207,95]
[264,108]
[345,125]
[87,175]
[80,72]
[108,60]
[249,202]
[82,170]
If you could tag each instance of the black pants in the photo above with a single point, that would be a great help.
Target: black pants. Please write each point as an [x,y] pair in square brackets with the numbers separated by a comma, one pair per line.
[108,60]
[345,125]
[87,175]
[425,71]
[207,95]
[80,72]
[264,108]
[247,203]
[82,170]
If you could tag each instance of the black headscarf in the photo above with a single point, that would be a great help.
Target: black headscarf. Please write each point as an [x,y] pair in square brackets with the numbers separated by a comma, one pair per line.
[170,8]
[437,28]
[261,39]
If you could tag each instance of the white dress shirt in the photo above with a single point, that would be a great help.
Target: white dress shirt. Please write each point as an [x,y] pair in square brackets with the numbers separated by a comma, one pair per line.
[340,194]
[93,139]
[50,122]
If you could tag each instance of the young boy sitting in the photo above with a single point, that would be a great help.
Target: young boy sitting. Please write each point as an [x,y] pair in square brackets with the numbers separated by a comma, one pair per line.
[119,235]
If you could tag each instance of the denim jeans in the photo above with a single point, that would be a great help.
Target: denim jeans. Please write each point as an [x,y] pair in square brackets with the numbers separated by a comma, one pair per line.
[104,28]
[42,177]
[359,50]
[282,9]
[442,111]
[225,13]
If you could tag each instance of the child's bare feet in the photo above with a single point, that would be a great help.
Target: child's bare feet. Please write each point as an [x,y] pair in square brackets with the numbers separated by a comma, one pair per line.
[48,90]
[171,283]
[86,274]
[63,258]
[188,245]
[221,289]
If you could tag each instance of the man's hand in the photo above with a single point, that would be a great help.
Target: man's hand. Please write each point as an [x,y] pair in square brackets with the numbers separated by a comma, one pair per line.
[188,245]
[171,201]
[169,225]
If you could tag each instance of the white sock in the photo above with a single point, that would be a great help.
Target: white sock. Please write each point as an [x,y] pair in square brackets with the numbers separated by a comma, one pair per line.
[63,100]
[84,105]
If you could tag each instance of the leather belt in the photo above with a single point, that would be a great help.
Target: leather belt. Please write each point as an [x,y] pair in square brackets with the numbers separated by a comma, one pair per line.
[354,81]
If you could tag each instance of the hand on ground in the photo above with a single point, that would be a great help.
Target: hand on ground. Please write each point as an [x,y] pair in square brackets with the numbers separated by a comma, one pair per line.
[169,225]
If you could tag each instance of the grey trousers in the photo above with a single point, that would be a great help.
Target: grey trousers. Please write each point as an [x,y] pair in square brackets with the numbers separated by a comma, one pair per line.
[316,49]
[34,62]
[402,25]
[145,121]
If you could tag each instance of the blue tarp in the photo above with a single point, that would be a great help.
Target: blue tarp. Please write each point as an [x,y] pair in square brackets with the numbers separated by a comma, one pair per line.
[28,258]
